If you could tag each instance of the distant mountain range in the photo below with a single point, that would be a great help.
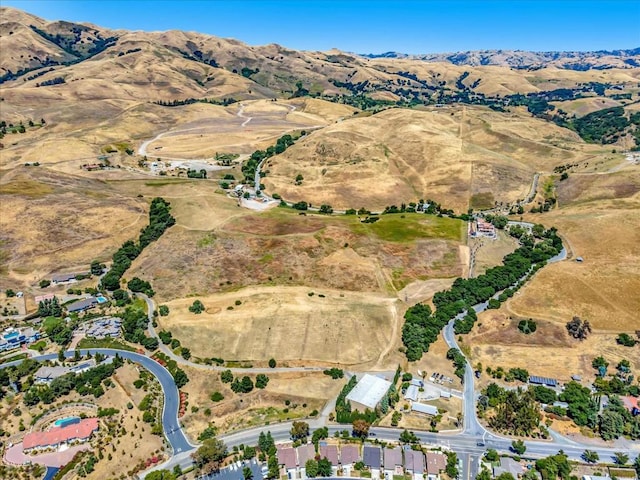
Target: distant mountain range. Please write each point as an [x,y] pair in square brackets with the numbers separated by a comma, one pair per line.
[85,61]
[598,60]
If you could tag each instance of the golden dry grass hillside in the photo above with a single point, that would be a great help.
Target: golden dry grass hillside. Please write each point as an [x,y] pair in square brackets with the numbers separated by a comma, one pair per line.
[55,222]
[598,219]
[453,155]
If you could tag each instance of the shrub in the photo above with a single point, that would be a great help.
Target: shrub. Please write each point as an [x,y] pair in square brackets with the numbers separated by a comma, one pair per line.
[527,326]
[197,307]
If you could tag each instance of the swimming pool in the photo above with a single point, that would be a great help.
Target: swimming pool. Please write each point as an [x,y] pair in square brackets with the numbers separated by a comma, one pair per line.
[101,299]
[63,422]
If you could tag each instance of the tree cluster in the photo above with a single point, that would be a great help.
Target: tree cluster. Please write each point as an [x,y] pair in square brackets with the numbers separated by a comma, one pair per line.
[422,327]
[578,328]
[159,220]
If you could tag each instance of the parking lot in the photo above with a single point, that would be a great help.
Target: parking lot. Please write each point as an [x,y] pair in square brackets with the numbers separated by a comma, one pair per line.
[440,378]
[234,471]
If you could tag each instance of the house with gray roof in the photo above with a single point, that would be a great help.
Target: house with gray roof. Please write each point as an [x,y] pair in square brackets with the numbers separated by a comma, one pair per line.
[508,465]
[371,457]
[393,461]
[414,463]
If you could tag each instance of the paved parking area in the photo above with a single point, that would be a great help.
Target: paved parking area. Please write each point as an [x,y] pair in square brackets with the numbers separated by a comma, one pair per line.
[234,472]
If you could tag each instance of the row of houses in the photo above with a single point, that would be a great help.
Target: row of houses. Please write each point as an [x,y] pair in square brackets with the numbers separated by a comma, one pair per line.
[381,462]
[15,337]
[78,432]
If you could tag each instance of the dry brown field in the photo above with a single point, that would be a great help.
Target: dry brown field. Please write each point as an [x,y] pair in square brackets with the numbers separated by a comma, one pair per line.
[454,155]
[304,391]
[490,253]
[549,351]
[598,219]
[342,328]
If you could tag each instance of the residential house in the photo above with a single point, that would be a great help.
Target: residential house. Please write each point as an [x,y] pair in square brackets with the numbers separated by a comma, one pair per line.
[287,461]
[508,465]
[65,277]
[392,462]
[349,456]
[436,463]
[304,453]
[414,463]
[330,452]
[58,436]
[82,305]
[631,404]
[14,337]
[371,457]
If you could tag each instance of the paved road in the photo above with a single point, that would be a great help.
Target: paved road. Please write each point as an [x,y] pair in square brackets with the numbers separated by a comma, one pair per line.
[174,434]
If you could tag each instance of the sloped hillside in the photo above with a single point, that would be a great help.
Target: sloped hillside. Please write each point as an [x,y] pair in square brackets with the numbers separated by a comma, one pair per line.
[446,154]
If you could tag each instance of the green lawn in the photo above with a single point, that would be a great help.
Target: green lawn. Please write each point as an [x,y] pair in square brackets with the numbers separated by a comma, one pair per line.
[414,226]
[105,343]
[13,358]
[39,345]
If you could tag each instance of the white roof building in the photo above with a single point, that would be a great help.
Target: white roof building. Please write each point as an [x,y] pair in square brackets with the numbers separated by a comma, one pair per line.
[422,408]
[368,392]
[411,393]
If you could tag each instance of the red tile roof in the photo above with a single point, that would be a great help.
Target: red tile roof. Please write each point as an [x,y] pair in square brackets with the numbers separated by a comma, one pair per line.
[630,403]
[57,435]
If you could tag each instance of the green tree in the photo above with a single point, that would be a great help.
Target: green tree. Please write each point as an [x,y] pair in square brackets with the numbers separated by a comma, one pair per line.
[299,430]
[611,424]
[272,363]
[197,307]
[261,380]
[491,455]
[161,475]
[324,467]
[621,458]
[9,293]
[590,456]
[44,283]
[216,397]
[311,468]
[247,473]
[319,434]
[210,455]
[163,310]
[226,376]
[518,447]
[484,475]
[452,464]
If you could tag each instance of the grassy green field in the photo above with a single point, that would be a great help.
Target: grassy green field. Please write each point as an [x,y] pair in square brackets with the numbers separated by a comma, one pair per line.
[410,227]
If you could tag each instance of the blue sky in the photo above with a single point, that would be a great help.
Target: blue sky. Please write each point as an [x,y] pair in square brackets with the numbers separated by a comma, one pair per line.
[413,26]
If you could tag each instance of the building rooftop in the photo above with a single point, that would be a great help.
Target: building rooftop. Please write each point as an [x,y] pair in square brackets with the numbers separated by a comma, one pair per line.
[287,457]
[371,456]
[508,465]
[330,452]
[411,393]
[349,454]
[369,391]
[81,430]
[414,461]
[423,408]
[435,463]
[305,452]
[392,458]
[82,304]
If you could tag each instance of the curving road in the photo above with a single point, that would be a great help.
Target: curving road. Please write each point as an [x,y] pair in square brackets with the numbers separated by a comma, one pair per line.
[173,433]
